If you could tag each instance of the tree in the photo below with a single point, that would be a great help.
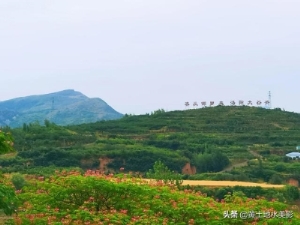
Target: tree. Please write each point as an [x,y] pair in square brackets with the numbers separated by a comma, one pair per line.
[47,123]
[25,127]
[162,172]
[260,167]
[159,111]
[291,193]
[18,181]
[276,179]
[7,199]
[6,142]
[214,162]
[7,194]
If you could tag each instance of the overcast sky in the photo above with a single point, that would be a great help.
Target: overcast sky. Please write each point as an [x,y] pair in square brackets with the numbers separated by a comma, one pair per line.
[142,55]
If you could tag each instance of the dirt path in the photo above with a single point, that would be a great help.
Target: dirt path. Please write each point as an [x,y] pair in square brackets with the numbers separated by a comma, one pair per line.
[242,164]
[255,154]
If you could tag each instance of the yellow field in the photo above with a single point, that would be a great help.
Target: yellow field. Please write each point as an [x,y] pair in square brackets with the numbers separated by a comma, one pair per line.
[211,183]
[229,183]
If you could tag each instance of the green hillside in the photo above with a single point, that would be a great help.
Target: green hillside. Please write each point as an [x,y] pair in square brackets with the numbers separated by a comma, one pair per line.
[231,143]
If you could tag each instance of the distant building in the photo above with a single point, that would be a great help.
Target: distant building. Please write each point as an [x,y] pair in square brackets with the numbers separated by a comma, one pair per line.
[293,155]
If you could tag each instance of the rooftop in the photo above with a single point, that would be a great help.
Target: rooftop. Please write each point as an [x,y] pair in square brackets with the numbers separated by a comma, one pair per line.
[293,154]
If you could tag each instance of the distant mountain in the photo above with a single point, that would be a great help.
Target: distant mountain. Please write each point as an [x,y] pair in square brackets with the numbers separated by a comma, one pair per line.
[66,107]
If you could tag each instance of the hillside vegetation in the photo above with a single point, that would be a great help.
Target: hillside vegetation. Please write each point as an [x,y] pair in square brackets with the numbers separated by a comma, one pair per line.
[209,139]
[218,143]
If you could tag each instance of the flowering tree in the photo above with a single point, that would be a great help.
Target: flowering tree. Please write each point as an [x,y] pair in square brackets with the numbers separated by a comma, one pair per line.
[95,198]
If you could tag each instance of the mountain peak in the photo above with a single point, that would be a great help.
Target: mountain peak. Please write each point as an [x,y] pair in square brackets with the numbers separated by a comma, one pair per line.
[64,107]
[67,91]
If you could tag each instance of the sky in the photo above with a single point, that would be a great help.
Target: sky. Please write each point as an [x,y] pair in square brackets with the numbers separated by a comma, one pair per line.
[140,56]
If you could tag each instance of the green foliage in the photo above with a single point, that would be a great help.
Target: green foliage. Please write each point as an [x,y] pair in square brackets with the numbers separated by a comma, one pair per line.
[280,167]
[161,172]
[6,142]
[64,199]
[213,162]
[7,199]
[291,193]
[270,194]
[159,111]
[208,138]
[47,123]
[276,179]
[18,181]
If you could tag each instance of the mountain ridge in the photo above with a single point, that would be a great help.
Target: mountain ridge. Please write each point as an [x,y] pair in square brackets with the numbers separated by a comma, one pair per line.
[66,107]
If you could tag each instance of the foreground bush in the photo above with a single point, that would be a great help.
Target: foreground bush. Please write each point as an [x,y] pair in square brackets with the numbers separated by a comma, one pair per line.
[7,199]
[94,198]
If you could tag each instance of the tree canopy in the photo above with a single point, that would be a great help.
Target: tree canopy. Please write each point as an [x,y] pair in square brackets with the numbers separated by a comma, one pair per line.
[6,142]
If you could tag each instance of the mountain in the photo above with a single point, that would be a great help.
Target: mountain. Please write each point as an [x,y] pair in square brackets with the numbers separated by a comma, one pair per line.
[67,107]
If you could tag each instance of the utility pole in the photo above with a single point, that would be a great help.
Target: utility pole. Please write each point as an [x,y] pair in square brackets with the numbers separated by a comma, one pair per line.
[270,102]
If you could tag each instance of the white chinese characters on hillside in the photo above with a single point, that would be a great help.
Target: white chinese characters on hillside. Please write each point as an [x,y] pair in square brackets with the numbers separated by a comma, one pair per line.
[231,103]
